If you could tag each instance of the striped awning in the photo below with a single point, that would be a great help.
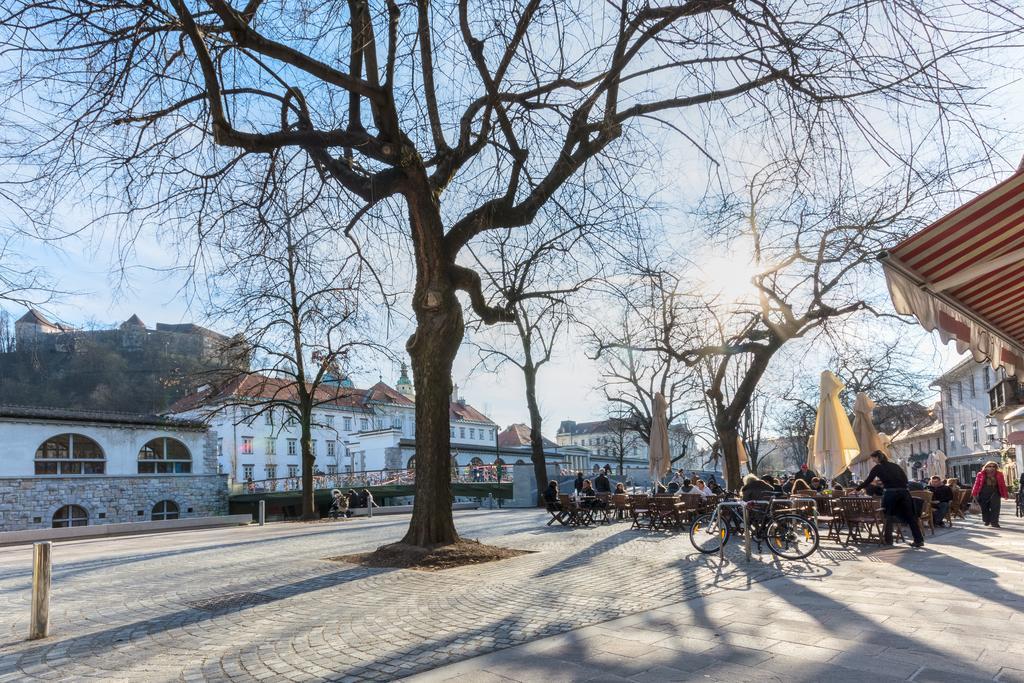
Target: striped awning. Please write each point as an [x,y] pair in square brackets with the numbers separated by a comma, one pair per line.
[964,276]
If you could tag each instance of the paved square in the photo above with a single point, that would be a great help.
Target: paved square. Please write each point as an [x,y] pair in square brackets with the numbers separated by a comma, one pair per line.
[262,604]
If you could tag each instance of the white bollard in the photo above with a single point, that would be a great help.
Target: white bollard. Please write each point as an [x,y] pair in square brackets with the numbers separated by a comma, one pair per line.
[263,512]
[40,625]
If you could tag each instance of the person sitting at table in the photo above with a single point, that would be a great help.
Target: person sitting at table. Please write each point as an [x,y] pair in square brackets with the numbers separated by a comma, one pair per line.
[800,488]
[773,482]
[620,488]
[551,495]
[687,487]
[942,498]
[702,489]
[678,478]
[673,487]
[897,502]
[588,496]
[953,484]
[817,484]
[602,484]
[755,489]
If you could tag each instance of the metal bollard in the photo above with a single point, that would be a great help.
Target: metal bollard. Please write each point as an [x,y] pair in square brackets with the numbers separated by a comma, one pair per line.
[490,501]
[263,512]
[369,509]
[746,531]
[40,625]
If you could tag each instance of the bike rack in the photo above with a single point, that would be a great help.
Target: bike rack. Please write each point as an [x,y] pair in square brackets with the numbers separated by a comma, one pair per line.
[746,525]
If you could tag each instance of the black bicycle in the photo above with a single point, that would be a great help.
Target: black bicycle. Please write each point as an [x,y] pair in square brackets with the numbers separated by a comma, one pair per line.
[786,533]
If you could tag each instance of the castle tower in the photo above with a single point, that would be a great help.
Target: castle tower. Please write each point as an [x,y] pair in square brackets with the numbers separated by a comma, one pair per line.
[404,385]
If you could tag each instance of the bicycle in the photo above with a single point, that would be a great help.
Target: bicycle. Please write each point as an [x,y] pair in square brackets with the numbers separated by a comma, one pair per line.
[787,534]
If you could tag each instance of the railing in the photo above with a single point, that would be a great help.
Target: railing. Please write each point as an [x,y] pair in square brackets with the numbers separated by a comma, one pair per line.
[368,478]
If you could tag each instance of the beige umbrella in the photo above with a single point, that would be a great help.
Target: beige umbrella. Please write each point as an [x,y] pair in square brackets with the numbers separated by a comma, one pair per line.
[937,464]
[867,437]
[835,444]
[658,455]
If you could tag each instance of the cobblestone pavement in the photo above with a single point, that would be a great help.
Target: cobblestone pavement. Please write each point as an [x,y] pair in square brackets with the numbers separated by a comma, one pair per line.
[951,612]
[262,604]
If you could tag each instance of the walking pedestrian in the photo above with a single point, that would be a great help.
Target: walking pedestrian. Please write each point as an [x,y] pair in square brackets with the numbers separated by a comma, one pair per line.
[989,489]
[896,499]
[339,504]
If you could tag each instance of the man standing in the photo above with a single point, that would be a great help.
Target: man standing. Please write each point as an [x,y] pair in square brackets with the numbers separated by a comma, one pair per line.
[601,483]
[806,474]
[942,497]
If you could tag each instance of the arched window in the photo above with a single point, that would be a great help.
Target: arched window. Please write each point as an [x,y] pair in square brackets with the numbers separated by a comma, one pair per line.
[69,454]
[499,461]
[70,515]
[165,509]
[520,462]
[164,456]
[476,461]
[411,465]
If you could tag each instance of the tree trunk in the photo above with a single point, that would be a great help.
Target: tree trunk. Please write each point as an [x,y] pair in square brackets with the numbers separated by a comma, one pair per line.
[309,511]
[540,468]
[432,350]
[727,434]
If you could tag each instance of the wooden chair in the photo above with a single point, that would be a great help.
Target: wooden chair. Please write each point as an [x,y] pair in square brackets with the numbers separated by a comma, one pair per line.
[620,503]
[861,516]
[927,514]
[558,514]
[575,515]
[665,513]
[962,501]
[639,510]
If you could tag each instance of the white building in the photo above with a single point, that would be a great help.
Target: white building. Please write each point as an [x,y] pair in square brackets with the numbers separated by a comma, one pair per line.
[606,441]
[354,430]
[964,408]
[75,467]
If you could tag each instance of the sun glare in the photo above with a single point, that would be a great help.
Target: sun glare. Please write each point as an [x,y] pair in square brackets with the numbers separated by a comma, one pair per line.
[726,275]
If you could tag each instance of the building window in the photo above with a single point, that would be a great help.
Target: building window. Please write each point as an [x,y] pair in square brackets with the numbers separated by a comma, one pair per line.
[949,396]
[165,509]
[220,447]
[364,424]
[963,435]
[247,415]
[453,432]
[246,445]
[330,421]
[462,432]
[293,447]
[332,470]
[330,449]
[348,423]
[268,417]
[247,472]
[70,515]
[271,446]
[165,456]
[312,448]
[293,471]
[472,432]
[271,471]
[960,392]
[70,454]
[971,386]
[974,432]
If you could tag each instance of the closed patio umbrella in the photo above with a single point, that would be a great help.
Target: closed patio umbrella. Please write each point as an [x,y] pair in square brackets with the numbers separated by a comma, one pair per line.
[937,464]
[658,455]
[867,438]
[835,444]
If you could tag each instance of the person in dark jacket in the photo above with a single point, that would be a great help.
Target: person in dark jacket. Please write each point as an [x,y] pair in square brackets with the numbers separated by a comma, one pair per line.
[578,484]
[588,496]
[602,484]
[942,498]
[339,504]
[687,487]
[353,499]
[989,489]
[551,495]
[805,474]
[896,499]
[756,489]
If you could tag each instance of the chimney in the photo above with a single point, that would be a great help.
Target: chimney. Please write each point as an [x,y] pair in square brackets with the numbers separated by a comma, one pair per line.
[455,393]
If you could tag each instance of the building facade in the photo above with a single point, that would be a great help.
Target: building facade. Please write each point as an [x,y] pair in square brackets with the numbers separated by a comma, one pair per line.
[609,442]
[353,430]
[74,468]
[964,409]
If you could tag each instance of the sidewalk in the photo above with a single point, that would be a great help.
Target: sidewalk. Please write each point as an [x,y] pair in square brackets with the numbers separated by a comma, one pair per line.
[953,611]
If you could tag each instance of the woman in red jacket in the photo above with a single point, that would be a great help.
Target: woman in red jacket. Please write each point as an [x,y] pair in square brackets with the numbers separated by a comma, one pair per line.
[989,488]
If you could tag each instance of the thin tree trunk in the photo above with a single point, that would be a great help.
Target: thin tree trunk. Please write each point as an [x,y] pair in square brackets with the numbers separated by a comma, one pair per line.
[309,511]
[540,469]
[727,435]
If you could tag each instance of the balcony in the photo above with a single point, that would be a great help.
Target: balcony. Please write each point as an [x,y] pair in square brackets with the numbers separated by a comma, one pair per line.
[1004,396]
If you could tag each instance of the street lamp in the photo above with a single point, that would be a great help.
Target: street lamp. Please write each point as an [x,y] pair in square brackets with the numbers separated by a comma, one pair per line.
[992,431]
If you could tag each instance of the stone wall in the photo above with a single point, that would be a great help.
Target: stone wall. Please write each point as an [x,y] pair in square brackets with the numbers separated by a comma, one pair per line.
[30,503]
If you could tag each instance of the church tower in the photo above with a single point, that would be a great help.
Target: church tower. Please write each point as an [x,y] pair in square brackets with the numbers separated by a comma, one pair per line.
[404,384]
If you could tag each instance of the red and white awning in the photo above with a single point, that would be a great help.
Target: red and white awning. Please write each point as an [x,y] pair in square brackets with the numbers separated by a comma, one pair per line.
[964,276]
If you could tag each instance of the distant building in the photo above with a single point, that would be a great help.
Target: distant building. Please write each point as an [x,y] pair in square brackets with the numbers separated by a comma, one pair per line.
[608,441]
[964,408]
[354,429]
[75,468]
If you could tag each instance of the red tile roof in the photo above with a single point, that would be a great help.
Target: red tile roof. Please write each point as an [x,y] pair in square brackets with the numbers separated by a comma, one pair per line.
[382,393]
[519,435]
[460,410]
[258,387]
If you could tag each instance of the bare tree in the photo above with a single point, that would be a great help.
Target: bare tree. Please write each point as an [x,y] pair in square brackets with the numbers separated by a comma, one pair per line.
[462,119]
[284,281]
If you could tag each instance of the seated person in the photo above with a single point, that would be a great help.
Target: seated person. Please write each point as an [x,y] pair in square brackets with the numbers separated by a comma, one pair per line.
[953,484]
[817,484]
[773,482]
[942,497]
[800,488]
[620,488]
[915,485]
[755,489]
[551,495]
[702,489]
[588,496]
[673,487]
[687,487]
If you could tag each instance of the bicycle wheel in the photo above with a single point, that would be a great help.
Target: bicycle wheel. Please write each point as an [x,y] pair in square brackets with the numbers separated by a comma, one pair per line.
[791,536]
[708,537]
